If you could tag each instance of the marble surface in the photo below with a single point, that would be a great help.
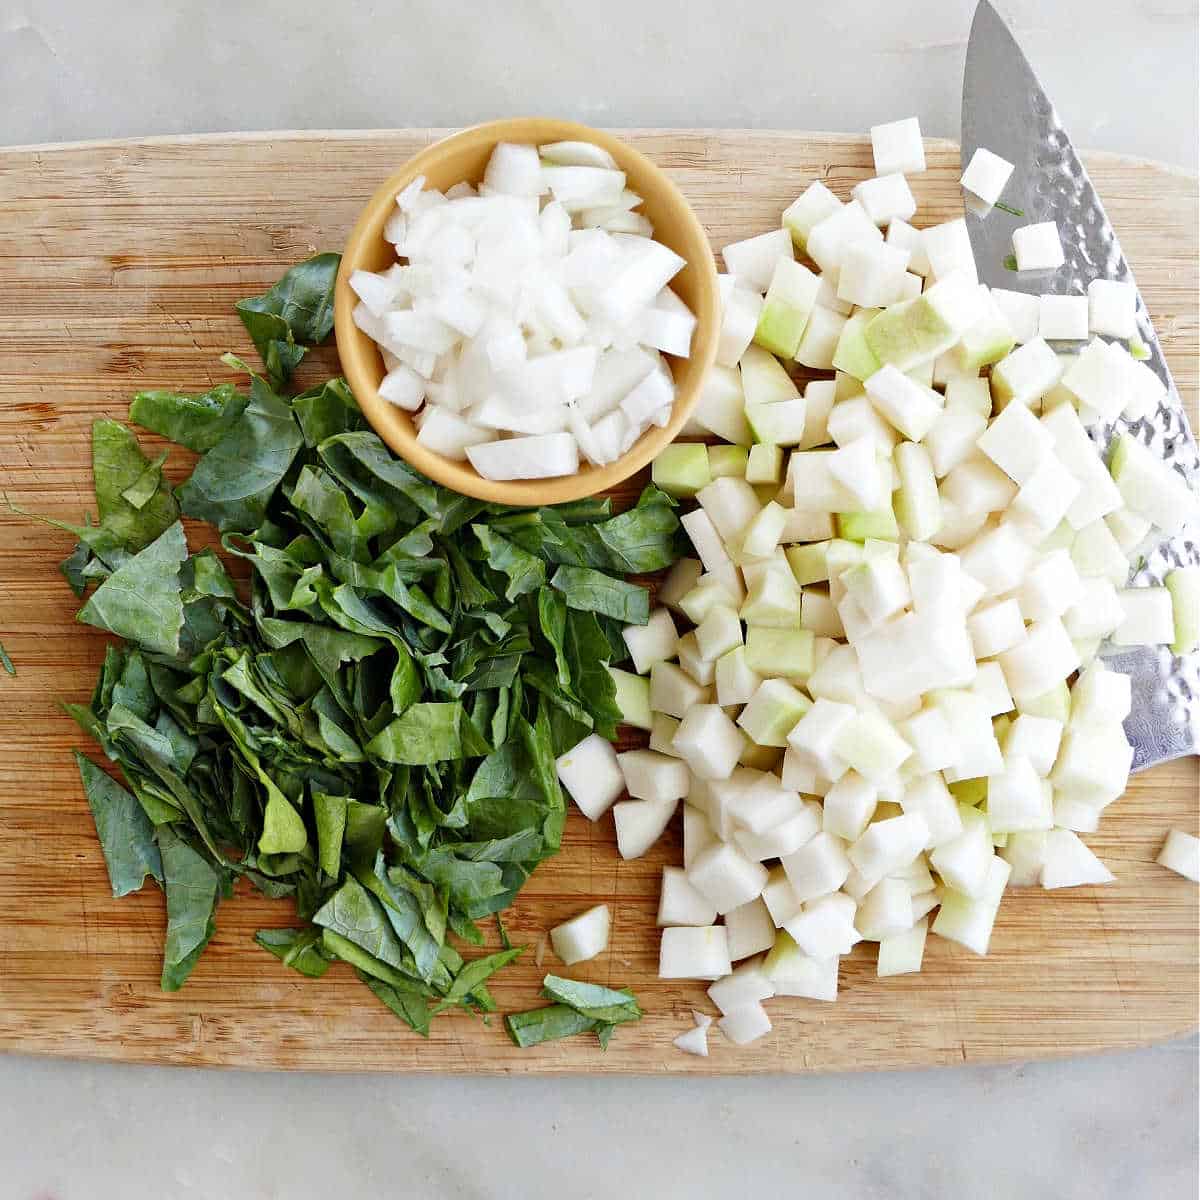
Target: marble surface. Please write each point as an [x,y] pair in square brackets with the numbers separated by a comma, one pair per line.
[1122,1126]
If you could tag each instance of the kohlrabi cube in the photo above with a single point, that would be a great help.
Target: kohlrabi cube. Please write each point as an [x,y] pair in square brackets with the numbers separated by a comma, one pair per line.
[948,248]
[825,928]
[1037,247]
[852,355]
[885,198]
[856,418]
[583,937]
[774,602]
[747,984]
[632,697]
[780,424]
[991,689]
[740,313]
[818,867]
[917,504]
[1152,487]
[783,653]
[856,466]
[1019,800]
[814,204]
[849,806]
[1046,496]
[996,628]
[779,897]
[1035,739]
[672,691]
[539,457]
[819,614]
[772,712]
[653,642]
[1067,862]
[640,823]
[988,340]
[872,273]
[1183,584]
[592,775]
[794,973]
[870,744]
[762,534]
[952,438]
[903,236]
[1096,554]
[909,407]
[1026,374]
[698,833]
[1021,312]
[997,558]
[886,910]
[1045,658]
[750,930]
[782,839]
[1062,318]
[963,862]
[1050,588]
[1096,613]
[789,302]
[986,175]
[819,343]
[929,735]
[752,261]
[708,741]
[829,239]
[816,732]
[897,147]
[929,798]
[1148,618]
[679,903]
[820,395]
[764,380]
[1181,853]
[1129,528]
[969,920]
[653,776]
[681,469]
[694,953]
[746,1024]
[1112,307]
[705,538]
[662,734]
[726,877]
[764,464]
[720,631]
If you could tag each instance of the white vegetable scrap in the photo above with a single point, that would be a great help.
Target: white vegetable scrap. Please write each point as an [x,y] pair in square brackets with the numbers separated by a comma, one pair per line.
[525,322]
[891,707]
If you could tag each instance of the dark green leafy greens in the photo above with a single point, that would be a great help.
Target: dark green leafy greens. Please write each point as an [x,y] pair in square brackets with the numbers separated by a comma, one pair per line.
[6,662]
[577,1008]
[370,726]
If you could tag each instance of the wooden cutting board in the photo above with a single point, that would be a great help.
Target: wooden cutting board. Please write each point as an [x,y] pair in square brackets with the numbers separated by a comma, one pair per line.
[119,266]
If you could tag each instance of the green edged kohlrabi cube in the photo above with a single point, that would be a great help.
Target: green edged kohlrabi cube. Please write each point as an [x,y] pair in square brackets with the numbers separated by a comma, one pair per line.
[789,302]
[862,526]
[781,424]
[773,601]
[772,711]
[917,504]
[809,563]
[1026,374]
[852,355]
[632,697]
[728,460]
[1150,486]
[814,204]
[1184,585]
[764,464]
[988,340]
[908,333]
[682,469]
[821,336]
[785,653]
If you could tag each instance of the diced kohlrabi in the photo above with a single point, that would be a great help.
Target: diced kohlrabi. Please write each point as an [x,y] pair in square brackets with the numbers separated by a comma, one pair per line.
[583,937]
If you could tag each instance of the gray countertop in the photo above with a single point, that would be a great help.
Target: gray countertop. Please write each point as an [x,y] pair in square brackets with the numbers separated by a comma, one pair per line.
[1124,76]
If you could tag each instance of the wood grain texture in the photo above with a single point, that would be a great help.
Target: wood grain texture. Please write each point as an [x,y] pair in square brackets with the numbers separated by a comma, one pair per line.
[119,266]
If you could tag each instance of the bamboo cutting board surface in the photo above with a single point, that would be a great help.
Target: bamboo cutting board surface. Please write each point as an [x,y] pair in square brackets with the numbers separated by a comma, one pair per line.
[119,267]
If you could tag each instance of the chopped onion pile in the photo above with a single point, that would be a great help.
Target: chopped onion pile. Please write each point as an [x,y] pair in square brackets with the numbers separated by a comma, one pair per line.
[527,323]
[889,705]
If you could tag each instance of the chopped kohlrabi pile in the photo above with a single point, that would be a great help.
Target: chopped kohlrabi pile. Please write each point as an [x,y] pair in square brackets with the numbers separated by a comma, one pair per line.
[526,326]
[876,689]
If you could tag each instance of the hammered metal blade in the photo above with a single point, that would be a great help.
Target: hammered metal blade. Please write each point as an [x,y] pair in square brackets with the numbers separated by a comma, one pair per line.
[1006,110]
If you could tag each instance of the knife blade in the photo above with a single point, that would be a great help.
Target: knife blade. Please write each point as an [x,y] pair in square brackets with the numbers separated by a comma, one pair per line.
[1006,110]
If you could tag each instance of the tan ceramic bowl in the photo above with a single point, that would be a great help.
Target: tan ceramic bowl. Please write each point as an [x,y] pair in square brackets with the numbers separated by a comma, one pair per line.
[463,157]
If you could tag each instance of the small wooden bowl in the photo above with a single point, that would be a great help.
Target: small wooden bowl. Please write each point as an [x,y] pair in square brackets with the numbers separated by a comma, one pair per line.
[463,156]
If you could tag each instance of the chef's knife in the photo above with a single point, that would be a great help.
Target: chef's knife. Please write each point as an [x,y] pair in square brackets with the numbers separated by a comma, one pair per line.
[1005,110]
